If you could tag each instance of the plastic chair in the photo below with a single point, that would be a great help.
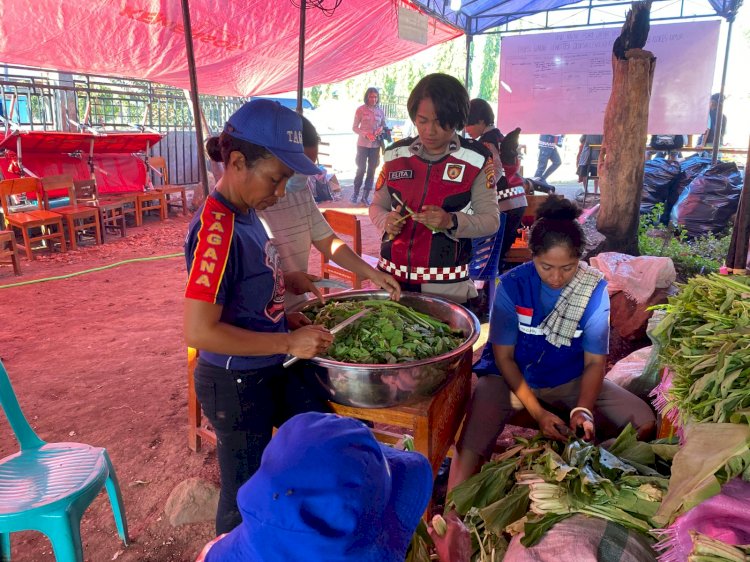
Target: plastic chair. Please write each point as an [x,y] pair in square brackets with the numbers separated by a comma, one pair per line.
[46,487]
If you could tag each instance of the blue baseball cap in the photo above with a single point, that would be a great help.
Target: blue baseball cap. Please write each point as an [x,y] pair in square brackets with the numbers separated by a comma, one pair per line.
[269,124]
[327,491]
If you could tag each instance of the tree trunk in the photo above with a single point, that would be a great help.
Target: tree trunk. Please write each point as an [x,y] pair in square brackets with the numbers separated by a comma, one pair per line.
[622,156]
[738,258]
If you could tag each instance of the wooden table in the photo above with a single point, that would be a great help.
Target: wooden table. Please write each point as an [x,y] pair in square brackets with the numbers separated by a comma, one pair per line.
[432,422]
[519,252]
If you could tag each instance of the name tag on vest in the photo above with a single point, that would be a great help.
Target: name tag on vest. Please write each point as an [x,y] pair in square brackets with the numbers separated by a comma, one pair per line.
[454,172]
[400,175]
[538,331]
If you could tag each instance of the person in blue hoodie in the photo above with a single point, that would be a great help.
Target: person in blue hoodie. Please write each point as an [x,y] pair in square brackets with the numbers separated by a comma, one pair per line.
[327,491]
[547,349]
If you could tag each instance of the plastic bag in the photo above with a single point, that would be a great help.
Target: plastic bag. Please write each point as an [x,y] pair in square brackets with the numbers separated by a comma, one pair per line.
[660,179]
[710,200]
[628,372]
[725,517]
[690,168]
[637,276]
[584,539]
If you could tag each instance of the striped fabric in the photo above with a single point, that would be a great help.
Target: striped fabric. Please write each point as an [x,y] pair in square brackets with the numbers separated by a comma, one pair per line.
[561,324]
[420,274]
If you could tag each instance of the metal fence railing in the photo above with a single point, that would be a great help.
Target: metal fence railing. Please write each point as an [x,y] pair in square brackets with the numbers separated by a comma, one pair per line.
[49,101]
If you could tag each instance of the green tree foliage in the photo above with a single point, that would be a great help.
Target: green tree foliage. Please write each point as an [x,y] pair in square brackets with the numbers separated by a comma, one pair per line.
[490,76]
[397,80]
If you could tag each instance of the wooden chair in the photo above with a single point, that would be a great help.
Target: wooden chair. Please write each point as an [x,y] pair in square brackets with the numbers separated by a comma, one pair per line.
[171,192]
[27,221]
[79,218]
[111,211]
[345,226]
[149,201]
[9,250]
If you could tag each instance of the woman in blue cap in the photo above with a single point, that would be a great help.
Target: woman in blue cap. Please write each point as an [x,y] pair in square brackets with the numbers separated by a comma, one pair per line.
[234,300]
[327,491]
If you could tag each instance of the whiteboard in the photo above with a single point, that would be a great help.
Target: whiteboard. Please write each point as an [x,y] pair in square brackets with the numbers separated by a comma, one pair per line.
[554,83]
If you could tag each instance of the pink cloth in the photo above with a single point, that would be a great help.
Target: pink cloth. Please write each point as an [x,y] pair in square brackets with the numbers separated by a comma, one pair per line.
[244,48]
[725,517]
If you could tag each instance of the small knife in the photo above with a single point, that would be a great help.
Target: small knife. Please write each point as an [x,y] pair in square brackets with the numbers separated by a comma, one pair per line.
[409,211]
[335,330]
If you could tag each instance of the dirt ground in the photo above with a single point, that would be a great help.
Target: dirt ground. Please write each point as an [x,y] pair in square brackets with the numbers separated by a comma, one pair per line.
[99,358]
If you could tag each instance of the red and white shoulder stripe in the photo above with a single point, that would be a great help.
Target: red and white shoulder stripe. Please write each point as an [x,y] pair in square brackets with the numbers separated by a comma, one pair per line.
[211,251]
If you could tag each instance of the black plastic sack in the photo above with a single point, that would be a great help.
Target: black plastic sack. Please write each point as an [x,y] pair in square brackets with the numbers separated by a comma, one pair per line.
[660,179]
[691,167]
[710,200]
[322,191]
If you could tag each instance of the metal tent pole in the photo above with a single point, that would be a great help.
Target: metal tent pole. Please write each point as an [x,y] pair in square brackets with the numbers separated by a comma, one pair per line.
[720,105]
[194,95]
[301,61]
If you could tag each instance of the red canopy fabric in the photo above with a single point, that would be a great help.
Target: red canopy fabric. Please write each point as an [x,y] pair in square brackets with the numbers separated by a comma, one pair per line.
[56,142]
[242,47]
[48,153]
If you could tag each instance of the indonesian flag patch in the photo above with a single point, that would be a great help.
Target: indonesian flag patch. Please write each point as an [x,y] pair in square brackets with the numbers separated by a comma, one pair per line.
[454,172]
[524,315]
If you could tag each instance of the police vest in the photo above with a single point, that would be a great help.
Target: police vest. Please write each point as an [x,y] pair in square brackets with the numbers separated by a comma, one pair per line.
[416,254]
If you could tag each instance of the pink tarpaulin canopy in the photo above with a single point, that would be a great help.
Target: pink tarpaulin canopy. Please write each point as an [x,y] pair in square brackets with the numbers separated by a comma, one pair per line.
[115,165]
[242,47]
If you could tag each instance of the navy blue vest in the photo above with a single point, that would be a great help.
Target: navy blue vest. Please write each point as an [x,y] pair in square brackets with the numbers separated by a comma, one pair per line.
[542,364]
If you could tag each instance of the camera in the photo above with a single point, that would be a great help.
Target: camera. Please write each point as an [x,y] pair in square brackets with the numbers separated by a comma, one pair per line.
[384,136]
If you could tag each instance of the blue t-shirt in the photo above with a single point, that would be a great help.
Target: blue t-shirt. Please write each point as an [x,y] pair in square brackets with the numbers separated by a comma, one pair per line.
[504,321]
[523,300]
[232,262]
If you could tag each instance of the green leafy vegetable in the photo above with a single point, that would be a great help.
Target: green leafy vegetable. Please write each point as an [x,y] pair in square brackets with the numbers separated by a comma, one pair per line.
[705,340]
[391,333]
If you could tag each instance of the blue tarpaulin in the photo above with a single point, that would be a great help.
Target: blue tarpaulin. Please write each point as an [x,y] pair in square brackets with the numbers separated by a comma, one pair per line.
[477,16]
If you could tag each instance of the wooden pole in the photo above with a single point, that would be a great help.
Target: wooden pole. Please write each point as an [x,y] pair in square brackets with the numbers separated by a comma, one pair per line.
[739,246]
[622,156]
[301,55]
[194,95]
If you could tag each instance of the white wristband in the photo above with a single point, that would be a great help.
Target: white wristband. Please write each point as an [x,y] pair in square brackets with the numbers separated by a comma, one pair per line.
[582,409]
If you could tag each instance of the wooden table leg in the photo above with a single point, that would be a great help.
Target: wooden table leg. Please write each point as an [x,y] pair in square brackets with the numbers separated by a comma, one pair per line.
[194,407]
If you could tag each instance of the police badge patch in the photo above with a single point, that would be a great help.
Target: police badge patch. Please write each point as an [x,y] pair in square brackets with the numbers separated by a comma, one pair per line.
[454,172]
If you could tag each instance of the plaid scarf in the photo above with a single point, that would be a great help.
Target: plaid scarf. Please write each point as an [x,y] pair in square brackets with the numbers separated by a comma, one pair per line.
[561,324]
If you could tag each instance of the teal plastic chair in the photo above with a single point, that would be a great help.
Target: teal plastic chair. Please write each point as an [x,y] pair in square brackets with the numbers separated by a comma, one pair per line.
[46,487]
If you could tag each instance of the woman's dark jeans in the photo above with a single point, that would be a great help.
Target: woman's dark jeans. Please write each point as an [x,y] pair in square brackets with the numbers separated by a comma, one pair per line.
[243,408]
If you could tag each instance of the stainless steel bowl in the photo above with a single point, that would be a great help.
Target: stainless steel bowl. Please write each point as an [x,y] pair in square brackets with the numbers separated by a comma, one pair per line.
[382,386]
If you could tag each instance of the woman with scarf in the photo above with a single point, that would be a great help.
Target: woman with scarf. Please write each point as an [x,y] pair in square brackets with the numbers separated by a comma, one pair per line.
[547,350]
